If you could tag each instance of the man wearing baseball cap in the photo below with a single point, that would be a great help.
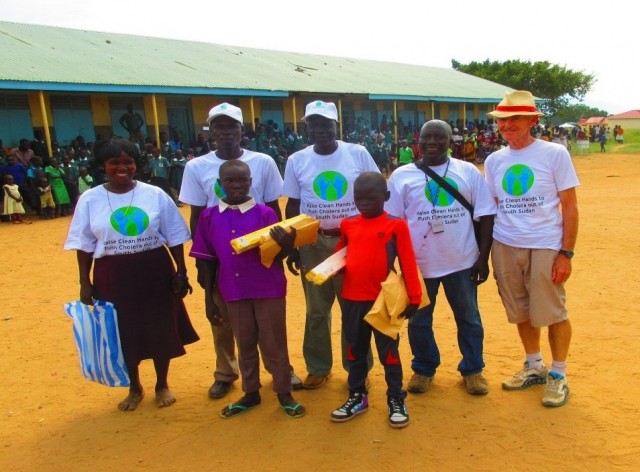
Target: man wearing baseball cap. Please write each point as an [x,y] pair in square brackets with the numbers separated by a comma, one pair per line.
[536,227]
[200,189]
[318,181]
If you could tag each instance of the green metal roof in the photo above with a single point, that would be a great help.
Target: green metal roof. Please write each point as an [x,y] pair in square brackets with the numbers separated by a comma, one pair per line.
[38,57]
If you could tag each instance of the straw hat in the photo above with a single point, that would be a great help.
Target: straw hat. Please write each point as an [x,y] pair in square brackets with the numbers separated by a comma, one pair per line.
[515,103]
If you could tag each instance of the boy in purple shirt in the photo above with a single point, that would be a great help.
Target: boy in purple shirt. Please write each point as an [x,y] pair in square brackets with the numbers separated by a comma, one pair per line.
[254,294]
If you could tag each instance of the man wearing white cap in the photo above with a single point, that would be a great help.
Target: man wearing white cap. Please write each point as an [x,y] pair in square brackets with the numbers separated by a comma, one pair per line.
[534,183]
[200,189]
[318,181]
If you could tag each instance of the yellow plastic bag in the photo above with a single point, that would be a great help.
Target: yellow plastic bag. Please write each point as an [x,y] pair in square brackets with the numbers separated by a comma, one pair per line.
[391,303]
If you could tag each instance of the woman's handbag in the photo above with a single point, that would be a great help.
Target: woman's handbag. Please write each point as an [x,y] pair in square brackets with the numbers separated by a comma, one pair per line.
[95,329]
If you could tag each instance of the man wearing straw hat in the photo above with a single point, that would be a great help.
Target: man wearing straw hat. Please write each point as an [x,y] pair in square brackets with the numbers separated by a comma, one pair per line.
[534,183]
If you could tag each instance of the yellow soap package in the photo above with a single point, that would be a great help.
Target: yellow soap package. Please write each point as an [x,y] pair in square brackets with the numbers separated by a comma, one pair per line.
[303,223]
[306,233]
[328,268]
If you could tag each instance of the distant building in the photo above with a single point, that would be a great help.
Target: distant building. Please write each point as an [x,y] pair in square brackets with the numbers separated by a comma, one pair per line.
[594,120]
[628,120]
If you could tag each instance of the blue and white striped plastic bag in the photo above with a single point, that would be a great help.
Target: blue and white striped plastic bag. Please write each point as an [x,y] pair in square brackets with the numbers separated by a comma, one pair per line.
[95,329]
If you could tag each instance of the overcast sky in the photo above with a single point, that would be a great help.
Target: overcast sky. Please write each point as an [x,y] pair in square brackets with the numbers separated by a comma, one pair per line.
[594,39]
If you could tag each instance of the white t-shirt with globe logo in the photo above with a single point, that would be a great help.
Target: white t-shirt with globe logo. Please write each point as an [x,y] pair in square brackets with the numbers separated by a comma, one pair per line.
[200,185]
[454,248]
[324,184]
[110,224]
[526,183]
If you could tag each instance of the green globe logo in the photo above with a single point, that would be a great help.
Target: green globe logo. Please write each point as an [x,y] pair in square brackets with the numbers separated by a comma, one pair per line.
[129,221]
[518,180]
[330,186]
[444,199]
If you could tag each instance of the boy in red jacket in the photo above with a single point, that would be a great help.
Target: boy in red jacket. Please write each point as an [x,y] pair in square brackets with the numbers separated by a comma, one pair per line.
[374,239]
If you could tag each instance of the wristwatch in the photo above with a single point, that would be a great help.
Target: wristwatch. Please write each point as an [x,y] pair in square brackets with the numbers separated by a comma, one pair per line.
[567,254]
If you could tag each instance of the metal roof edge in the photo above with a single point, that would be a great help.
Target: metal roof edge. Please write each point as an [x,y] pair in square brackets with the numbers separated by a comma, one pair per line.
[76,87]
[433,99]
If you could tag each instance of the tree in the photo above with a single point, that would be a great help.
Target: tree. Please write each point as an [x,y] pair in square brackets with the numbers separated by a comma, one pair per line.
[574,113]
[558,85]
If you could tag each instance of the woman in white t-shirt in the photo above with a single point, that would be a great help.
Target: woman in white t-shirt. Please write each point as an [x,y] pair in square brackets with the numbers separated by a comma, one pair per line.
[121,228]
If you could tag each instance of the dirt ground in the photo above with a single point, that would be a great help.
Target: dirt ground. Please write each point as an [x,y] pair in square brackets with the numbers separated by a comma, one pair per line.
[54,420]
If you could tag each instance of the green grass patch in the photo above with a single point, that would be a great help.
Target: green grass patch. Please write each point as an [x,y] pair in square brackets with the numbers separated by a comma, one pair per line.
[631,145]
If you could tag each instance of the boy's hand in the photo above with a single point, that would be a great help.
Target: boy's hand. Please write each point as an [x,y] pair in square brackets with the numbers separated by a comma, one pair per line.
[284,239]
[409,311]
[213,314]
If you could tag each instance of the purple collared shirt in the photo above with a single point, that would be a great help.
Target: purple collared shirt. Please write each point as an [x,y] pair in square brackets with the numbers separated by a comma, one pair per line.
[240,276]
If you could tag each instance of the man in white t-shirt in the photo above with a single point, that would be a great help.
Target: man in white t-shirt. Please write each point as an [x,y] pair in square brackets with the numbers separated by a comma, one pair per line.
[318,181]
[442,232]
[200,189]
[534,183]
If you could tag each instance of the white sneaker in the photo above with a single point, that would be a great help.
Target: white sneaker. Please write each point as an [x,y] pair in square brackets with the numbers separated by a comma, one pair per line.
[526,378]
[356,403]
[556,393]
[398,416]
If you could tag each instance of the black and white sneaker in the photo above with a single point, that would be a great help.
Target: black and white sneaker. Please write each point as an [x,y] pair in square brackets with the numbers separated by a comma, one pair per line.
[356,403]
[398,416]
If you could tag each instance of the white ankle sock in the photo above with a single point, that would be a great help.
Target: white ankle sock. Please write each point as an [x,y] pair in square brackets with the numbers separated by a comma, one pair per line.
[559,367]
[535,360]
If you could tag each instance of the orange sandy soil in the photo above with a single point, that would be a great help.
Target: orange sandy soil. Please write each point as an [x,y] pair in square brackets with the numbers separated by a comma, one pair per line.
[54,420]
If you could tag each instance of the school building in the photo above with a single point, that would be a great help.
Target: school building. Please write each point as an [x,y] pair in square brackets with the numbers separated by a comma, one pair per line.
[68,83]
[628,120]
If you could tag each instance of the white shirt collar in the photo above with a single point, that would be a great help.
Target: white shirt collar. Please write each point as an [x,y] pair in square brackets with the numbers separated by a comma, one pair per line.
[243,207]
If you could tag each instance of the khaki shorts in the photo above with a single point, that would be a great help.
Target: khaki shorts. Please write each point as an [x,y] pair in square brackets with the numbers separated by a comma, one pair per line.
[525,286]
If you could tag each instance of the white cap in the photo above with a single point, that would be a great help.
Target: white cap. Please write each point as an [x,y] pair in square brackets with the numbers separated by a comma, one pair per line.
[225,109]
[326,109]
